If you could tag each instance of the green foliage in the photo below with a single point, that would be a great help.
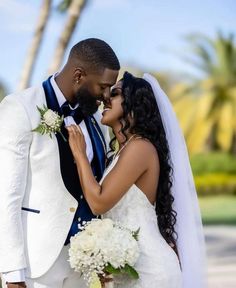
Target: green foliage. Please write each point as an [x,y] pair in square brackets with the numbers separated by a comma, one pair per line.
[218,210]
[135,234]
[214,184]
[110,269]
[64,5]
[125,270]
[213,163]
[214,173]
[42,110]
[130,271]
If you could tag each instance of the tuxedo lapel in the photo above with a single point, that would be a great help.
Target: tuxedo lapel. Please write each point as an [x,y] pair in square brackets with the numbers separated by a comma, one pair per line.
[52,104]
[51,98]
[95,133]
[66,158]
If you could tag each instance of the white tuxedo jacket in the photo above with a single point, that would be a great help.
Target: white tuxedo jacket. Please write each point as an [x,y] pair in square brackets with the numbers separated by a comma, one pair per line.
[36,209]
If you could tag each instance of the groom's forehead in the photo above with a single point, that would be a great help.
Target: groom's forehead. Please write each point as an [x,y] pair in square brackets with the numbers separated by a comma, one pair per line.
[109,76]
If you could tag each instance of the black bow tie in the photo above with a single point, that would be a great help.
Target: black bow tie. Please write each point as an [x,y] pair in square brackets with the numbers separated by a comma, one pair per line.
[76,113]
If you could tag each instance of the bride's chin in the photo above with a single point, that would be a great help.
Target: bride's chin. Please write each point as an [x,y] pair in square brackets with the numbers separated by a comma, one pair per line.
[104,121]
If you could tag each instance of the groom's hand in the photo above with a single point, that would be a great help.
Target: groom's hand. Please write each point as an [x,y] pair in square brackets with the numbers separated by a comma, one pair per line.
[16,285]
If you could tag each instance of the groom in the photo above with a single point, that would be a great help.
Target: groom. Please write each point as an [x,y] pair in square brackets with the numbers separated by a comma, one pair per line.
[41,201]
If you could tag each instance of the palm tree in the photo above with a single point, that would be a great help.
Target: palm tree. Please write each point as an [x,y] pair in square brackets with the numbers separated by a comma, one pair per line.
[74,8]
[209,105]
[35,44]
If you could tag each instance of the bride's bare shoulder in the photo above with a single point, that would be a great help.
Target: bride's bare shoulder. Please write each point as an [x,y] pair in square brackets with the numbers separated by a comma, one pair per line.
[140,150]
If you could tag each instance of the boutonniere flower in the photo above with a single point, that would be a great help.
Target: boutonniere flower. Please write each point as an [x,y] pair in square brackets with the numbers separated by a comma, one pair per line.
[50,122]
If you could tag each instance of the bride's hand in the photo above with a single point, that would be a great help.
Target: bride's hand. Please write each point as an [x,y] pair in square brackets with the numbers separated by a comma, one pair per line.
[76,141]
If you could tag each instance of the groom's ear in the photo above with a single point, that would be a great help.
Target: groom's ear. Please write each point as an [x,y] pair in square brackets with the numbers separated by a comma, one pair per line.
[79,74]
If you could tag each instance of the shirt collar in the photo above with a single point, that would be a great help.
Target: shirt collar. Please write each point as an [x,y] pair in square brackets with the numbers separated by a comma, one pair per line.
[60,97]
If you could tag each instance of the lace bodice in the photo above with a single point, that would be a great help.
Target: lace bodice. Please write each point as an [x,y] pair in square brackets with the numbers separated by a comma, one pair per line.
[128,209]
[133,205]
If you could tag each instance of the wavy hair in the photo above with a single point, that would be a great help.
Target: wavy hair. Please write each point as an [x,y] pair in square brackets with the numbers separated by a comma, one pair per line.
[139,102]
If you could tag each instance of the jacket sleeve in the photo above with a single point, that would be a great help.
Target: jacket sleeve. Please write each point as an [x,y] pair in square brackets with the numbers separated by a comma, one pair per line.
[15,139]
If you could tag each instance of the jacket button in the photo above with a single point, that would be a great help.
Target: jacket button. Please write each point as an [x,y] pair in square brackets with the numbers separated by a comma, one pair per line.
[72,209]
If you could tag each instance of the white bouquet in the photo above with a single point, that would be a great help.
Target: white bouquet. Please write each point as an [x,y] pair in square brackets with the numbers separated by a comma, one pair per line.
[102,247]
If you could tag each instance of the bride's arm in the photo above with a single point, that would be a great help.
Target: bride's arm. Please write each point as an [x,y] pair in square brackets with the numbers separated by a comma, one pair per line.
[132,163]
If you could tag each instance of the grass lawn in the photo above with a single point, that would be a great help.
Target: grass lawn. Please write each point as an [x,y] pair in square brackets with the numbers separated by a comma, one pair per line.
[218,210]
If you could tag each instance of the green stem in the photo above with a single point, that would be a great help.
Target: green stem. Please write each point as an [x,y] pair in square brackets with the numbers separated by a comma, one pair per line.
[63,137]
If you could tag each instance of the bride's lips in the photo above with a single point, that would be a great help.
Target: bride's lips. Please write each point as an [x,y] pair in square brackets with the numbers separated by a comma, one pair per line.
[105,110]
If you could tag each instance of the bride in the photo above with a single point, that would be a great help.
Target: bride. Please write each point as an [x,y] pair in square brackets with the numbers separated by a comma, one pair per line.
[147,185]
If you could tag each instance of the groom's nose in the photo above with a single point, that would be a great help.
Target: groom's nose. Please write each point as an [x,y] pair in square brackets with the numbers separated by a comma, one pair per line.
[106,94]
[107,102]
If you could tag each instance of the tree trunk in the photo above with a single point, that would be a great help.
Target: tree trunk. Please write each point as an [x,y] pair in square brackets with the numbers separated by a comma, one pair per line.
[35,45]
[74,11]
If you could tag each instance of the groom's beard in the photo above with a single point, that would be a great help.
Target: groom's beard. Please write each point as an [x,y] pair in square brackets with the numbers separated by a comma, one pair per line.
[87,102]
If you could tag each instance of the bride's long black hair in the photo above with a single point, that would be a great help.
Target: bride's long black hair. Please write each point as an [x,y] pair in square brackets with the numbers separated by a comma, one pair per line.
[139,102]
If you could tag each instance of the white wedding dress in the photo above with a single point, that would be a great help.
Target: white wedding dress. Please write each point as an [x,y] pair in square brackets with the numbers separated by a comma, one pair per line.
[158,265]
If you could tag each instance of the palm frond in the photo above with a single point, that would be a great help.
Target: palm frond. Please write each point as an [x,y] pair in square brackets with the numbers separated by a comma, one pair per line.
[64,5]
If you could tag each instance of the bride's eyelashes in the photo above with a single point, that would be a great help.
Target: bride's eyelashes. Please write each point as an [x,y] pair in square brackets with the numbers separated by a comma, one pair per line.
[115,92]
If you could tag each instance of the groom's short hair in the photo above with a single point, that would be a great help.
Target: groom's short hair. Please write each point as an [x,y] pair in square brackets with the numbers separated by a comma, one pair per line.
[95,54]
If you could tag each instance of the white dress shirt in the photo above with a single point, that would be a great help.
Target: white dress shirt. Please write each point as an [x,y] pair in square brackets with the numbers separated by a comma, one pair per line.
[69,119]
[19,275]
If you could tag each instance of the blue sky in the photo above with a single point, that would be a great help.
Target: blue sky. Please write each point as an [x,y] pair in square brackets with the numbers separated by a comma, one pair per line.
[145,34]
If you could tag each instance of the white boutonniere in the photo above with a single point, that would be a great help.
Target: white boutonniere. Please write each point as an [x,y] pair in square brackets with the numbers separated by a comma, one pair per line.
[50,122]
